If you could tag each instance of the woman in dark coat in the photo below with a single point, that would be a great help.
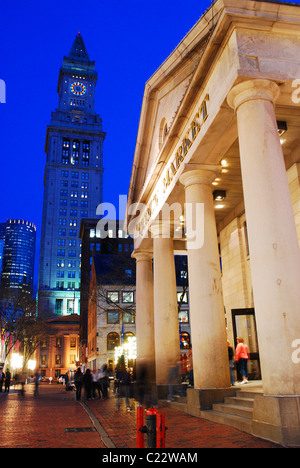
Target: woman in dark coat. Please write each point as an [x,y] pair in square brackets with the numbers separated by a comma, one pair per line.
[78,383]
[87,383]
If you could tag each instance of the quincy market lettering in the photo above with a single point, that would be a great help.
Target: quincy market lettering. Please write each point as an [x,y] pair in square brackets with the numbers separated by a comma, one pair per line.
[181,153]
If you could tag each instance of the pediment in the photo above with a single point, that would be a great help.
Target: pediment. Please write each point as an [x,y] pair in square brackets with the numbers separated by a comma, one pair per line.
[164,94]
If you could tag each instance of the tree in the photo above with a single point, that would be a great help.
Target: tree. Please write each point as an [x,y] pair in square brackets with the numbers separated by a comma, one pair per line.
[19,324]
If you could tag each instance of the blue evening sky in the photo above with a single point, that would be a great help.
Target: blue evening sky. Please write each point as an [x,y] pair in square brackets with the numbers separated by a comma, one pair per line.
[128,40]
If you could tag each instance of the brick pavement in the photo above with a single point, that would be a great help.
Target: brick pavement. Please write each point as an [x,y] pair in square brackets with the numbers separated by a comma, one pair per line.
[42,421]
[184,431]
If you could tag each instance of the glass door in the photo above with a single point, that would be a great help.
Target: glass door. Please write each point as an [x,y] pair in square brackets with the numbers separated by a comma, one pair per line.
[244,326]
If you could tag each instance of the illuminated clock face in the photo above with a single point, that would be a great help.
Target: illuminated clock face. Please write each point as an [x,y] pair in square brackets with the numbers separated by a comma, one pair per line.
[78,88]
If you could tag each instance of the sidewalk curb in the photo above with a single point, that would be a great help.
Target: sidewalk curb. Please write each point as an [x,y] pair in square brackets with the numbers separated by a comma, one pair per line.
[102,433]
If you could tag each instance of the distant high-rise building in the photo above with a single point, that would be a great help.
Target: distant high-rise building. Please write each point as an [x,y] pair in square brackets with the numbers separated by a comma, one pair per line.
[18,242]
[73,182]
[2,239]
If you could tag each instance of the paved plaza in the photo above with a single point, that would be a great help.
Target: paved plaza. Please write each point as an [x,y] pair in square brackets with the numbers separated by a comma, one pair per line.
[54,419]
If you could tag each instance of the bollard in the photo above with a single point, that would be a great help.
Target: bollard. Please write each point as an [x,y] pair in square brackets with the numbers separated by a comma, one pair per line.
[151,427]
[160,431]
[155,429]
[140,423]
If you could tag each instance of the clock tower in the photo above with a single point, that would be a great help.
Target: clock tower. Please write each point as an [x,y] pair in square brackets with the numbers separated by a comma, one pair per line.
[77,80]
[73,182]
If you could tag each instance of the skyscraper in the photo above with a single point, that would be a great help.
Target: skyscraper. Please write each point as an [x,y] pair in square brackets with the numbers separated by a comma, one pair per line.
[18,256]
[73,182]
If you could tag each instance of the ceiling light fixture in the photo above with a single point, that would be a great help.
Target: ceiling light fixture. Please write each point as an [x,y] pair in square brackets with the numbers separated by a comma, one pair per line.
[219,195]
[282,127]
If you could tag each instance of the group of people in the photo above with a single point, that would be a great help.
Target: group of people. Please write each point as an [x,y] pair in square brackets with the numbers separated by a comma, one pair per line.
[240,357]
[5,378]
[96,382]
[19,381]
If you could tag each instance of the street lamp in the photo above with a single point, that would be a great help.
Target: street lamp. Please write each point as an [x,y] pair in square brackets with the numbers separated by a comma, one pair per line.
[16,361]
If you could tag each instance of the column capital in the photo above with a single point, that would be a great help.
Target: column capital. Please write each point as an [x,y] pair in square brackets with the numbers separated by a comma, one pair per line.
[163,229]
[142,255]
[250,90]
[206,175]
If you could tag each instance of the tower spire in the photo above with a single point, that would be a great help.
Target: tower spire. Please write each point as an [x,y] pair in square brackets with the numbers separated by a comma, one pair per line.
[78,50]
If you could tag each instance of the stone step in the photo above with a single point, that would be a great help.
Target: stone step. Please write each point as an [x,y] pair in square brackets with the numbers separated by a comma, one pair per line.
[248,394]
[179,403]
[179,406]
[238,410]
[239,401]
[232,420]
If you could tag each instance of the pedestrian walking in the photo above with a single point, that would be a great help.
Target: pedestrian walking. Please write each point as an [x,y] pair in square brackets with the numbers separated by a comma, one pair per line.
[37,377]
[67,381]
[22,381]
[2,378]
[94,376]
[242,357]
[173,377]
[78,383]
[124,391]
[104,381]
[7,380]
[98,384]
[87,383]
[231,363]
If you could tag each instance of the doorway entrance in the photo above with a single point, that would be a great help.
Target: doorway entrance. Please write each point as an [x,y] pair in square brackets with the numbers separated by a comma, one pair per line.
[244,326]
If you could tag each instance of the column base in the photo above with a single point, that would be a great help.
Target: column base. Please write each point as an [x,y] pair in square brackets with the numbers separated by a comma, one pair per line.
[202,399]
[162,391]
[277,418]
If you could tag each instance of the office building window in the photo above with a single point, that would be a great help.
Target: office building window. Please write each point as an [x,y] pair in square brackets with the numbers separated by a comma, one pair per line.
[72,342]
[59,341]
[113,340]
[127,297]
[112,316]
[70,306]
[59,306]
[113,296]
[58,360]
[128,317]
